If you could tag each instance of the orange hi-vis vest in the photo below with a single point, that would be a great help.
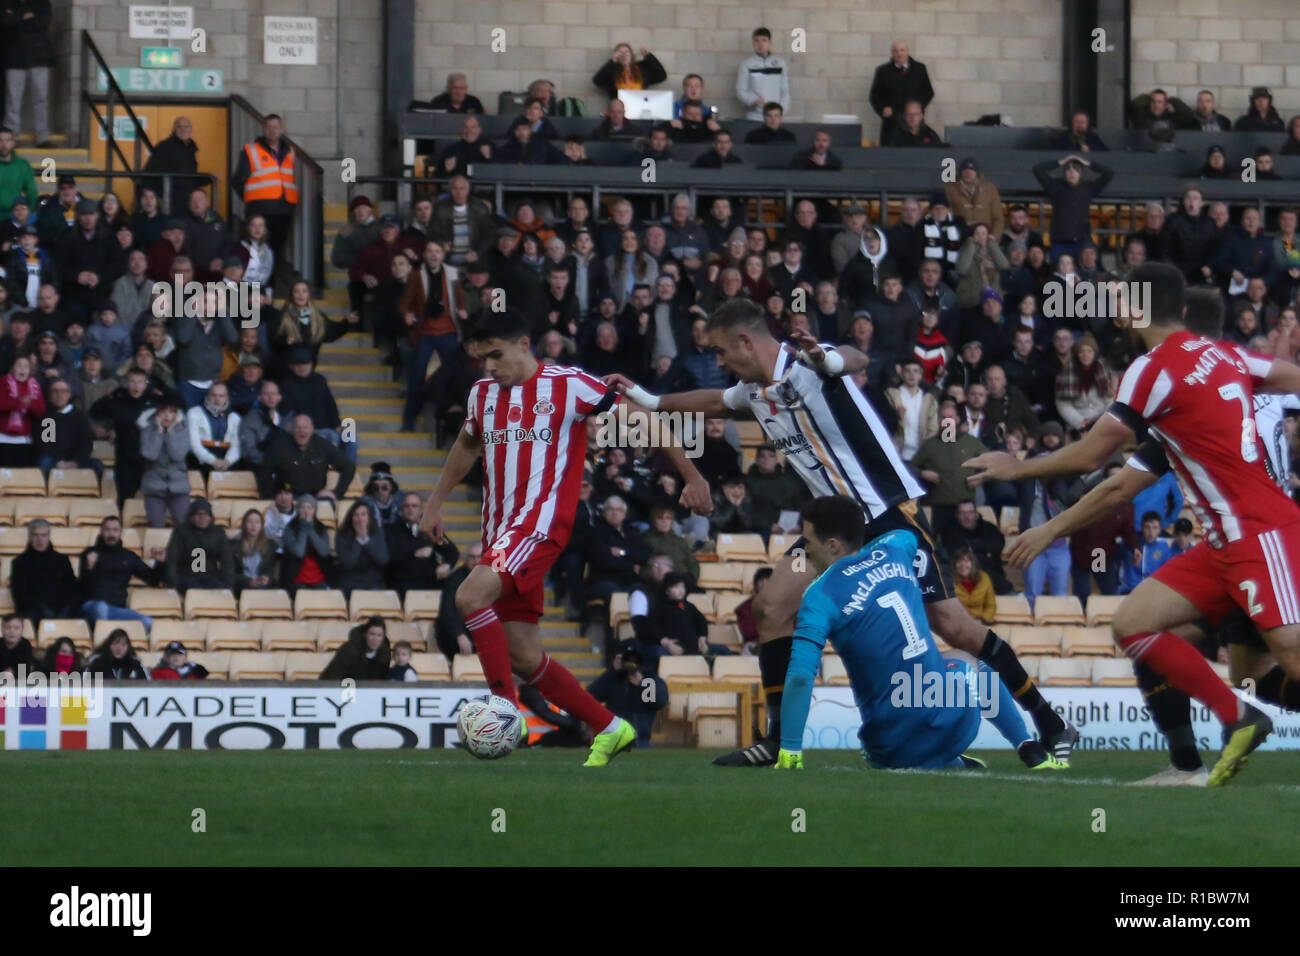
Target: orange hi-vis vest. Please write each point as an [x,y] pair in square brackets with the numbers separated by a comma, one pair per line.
[269,179]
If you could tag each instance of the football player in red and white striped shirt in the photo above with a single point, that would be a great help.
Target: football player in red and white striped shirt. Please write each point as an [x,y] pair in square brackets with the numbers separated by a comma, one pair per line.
[528,420]
[1195,396]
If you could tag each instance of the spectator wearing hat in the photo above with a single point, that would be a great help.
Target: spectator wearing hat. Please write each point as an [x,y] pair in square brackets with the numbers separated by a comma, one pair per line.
[382,494]
[863,275]
[990,326]
[1262,117]
[28,267]
[65,438]
[198,553]
[176,665]
[361,232]
[96,381]
[73,343]
[968,365]
[305,560]
[623,689]
[246,387]
[734,511]
[214,432]
[941,236]
[306,392]
[89,259]
[18,212]
[1071,196]
[42,582]
[177,154]
[374,263]
[164,447]
[846,242]
[17,182]
[58,212]
[974,199]
[109,333]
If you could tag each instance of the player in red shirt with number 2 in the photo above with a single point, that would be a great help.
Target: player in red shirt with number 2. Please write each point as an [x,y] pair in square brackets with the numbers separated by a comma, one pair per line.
[1195,396]
[528,420]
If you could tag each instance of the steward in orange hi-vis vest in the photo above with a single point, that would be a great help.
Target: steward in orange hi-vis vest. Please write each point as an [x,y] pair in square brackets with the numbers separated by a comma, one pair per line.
[269,179]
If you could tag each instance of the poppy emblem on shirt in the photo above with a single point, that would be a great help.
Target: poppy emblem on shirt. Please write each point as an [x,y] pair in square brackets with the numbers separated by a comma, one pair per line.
[515,415]
[543,408]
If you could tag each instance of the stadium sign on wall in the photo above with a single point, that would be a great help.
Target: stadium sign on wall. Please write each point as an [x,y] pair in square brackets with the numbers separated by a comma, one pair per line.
[151,23]
[290,40]
[135,79]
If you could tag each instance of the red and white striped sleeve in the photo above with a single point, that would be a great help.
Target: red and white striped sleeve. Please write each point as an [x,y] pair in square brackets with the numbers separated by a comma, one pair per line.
[473,424]
[591,395]
[1257,365]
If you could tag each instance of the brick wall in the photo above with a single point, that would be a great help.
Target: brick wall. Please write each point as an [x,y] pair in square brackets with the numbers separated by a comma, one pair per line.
[984,56]
[1226,46]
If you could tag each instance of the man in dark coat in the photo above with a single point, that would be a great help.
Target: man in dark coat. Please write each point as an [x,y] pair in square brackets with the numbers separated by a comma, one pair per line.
[42,581]
[121,410]
[365,656]
[178,153]
[415,560]
[199,553]
[107,568]
[895,83]
[304,461]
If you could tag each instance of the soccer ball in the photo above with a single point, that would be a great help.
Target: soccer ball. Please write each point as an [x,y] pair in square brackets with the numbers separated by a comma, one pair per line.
[490,727]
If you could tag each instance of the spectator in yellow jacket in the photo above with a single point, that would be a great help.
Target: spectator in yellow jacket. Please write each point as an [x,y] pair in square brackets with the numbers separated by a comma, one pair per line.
[974,587]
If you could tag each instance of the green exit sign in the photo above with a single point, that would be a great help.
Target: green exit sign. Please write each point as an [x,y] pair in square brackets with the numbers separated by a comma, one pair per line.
[161,57]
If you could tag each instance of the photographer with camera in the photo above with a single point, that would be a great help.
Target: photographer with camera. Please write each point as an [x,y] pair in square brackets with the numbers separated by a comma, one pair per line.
[630,693]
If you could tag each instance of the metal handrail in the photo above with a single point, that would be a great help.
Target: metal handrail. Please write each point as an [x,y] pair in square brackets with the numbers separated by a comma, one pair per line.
[115,95]
[307,235]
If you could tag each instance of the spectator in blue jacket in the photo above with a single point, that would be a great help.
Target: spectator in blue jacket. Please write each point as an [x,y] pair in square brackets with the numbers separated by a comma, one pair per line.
[1149,556]
[1245,253]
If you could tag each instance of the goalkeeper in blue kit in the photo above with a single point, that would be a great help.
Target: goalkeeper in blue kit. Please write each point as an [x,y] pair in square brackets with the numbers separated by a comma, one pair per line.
[920,708]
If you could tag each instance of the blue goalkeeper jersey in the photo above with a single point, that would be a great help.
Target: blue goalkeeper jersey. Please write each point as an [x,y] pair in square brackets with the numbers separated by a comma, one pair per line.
[869,607]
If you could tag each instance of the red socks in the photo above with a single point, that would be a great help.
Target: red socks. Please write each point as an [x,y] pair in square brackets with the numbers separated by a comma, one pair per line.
[1185,668]
[493,652]
[561,688]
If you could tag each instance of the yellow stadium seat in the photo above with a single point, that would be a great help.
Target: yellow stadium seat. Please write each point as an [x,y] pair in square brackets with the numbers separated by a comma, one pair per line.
[319,605]
[716,576]
[6,601]
[1113,672]
[255,603]
[53,510]
[7,566]
[779,544]
[725,604]
[1087,642]
[90,512]
[741,547]
[1034,639]
[331,635]
[72,541]
[833,671]
[224,635]
[421,605]
[190,633]
[13,541]
[245,665]
[1013,609]
[742,668]
[133,513]
[134,630]
[82,482]
[289,636]
[211,602]
[132,540]
[467,667]
[218,664]
[105,452]
[1102,608]
[988,515]
[704,602]
[221,513]
[108,487]
[1010,521]
[1065,672]
[232,484]
[197,488]
[156,538]
[618,609]
[1063,609]
[156,602]
[326,514]
[751,433]
[416,633]
[1030,664]
[684,667]
[725,634]
[747,572]
[7,511]
[22,481]
[385,604]
[431,666]
[51,630]
[304,666]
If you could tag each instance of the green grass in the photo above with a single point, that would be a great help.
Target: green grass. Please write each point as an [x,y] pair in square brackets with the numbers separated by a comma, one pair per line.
[652,807]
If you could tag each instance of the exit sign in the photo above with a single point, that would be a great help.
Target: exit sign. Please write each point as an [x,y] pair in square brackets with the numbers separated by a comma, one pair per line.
[161,57]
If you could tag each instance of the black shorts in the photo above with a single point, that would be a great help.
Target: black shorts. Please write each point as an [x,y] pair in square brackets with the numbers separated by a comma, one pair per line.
[931,563]
[1236,627]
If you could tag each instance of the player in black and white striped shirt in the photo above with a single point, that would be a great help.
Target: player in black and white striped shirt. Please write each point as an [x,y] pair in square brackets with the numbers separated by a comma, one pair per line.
[833,439]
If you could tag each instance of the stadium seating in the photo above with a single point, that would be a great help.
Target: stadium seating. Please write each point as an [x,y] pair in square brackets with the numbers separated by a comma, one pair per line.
[618,610]
[134,630]
[13,541]
[75,628]
[1064,609]
[779,544]
[416,633]
[683,667]
[1013,609]
[423,605]
[256,666]
[53,510]
[705,604]
[133,513]
[466,667]
[289,636]
[1101,609]
[431,666]
[157,603]
[365,604]
[1030,639]
[210,602]
[305,666]
[725,604]
[22,481]
[741,547]
[1065,672]
[255,603]
[234,636]
[721,577]
[833,672]
[90,512]
[6,601]
[190,633]
[218,665]
[736,667]
[331,635]
[319,605]
[81,482]
[1087,642]
[1113,672]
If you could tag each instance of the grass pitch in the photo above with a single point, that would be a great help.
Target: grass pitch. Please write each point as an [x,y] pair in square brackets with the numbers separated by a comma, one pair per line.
[651,807]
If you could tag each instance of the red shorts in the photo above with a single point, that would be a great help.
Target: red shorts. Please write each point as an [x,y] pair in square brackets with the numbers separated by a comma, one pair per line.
[1255,574]
[522,563]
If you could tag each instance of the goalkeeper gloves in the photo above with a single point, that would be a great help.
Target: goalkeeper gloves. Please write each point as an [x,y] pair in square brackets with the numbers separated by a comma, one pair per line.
[789,759]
